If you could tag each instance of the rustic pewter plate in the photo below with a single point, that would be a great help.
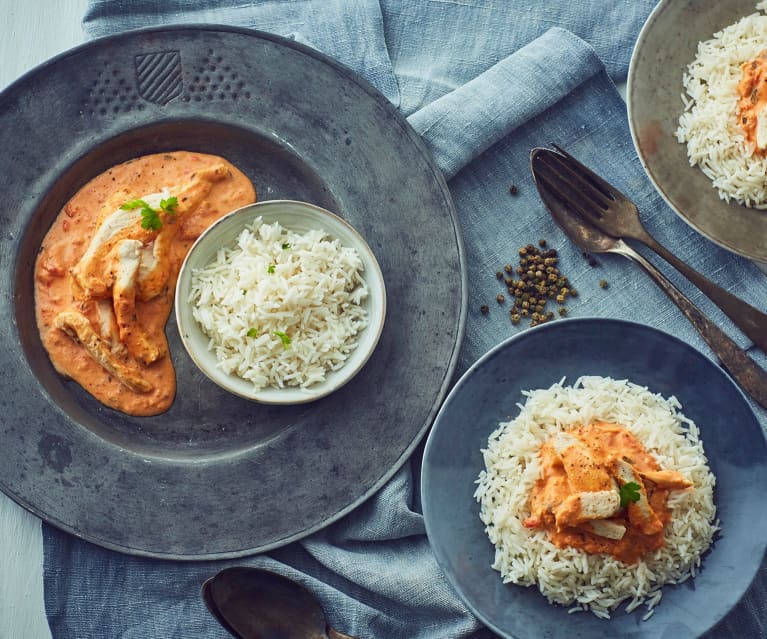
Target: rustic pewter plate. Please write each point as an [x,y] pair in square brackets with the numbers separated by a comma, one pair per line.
[666,45]
[216,475]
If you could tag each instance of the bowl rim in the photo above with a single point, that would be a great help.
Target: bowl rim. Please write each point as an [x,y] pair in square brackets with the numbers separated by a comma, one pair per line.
[728,243]
[426,479]
[291,395]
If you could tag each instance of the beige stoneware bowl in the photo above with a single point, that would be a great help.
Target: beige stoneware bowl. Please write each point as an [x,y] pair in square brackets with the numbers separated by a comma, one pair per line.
[293,215]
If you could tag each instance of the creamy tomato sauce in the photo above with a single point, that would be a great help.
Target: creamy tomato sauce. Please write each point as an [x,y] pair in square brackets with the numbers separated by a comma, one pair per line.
[577,499]
[104,283]
[752,100]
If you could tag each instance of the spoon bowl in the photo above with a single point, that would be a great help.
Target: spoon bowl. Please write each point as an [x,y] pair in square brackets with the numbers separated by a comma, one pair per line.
[751,377]
[252,603]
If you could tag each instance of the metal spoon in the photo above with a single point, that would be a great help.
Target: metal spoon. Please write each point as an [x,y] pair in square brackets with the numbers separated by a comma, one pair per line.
[737,362]
[252,603]
[613,213]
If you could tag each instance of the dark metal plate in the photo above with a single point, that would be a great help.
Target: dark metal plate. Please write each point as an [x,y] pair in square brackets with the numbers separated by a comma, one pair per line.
[218,476]
[665,47]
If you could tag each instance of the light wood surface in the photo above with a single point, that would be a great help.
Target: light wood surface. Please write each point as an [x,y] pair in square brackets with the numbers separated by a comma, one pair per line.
[34,32]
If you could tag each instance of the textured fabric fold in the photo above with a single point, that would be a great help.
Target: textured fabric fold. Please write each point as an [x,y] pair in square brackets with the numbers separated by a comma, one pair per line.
[497,101]
[491,80]
[351,31]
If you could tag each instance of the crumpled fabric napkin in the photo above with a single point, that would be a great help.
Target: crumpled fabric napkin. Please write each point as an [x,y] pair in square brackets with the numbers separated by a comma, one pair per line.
[482,82]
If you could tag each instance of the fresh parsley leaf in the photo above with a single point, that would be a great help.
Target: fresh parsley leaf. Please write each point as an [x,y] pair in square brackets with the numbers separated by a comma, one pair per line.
[629,492]
[169,204]
[150,219]
[252,332]
[285,246]
[271,268]
[135,204]
[284,337]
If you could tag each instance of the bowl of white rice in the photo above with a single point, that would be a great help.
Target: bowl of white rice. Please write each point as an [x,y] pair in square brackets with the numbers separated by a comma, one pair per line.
[483,460]
[686,123]
[280,302]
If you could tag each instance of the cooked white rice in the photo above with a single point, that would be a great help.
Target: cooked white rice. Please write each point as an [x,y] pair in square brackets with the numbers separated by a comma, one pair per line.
[281,308]
[568,576]
[715,141]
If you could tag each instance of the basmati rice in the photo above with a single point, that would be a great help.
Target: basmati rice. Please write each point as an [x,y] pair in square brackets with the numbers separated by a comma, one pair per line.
[715,141]
[281,308]
[568,576]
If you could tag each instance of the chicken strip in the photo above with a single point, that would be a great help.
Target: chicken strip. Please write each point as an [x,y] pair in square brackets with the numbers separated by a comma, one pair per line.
[79,328]
[641,514]
[140,345]
[666,479]
[605,528]
[586,506]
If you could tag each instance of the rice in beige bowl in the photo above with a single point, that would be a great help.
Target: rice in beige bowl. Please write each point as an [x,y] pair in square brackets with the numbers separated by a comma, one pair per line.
[568,576]
[710,127]
[282,307]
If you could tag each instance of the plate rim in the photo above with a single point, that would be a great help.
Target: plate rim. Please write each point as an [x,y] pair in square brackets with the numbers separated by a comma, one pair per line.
[440,185]
[634,63]
[489,354]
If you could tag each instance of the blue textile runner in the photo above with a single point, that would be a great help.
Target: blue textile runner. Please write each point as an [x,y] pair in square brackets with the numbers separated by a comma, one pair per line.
[483,81]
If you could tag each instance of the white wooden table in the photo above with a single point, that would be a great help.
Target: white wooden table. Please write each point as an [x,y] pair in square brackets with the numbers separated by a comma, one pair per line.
[34,32]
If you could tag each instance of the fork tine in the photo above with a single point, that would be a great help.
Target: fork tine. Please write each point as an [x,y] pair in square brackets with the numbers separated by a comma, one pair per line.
[554,187]
[586,173]
[571,191]
[578,182]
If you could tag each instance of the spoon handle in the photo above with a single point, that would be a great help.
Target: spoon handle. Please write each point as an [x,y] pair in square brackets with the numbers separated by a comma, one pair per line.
[748,319]
[735,360]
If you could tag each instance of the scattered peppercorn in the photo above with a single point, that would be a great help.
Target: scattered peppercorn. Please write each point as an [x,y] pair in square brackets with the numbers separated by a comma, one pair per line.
[500,298]
[603,284]
[484,309]
[513,189]
[539,279]
[590,259]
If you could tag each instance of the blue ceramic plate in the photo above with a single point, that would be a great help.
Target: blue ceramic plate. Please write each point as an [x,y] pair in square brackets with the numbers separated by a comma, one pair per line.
[488,393]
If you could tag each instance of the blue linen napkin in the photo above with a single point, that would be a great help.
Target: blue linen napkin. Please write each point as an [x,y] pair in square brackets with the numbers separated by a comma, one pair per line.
[482,82]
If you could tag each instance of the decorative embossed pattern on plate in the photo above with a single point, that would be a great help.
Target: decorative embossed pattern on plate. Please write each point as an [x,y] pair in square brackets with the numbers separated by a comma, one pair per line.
[158,76]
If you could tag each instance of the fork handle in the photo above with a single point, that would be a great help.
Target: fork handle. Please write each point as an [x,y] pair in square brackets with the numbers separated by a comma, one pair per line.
[751,377]
[748,319]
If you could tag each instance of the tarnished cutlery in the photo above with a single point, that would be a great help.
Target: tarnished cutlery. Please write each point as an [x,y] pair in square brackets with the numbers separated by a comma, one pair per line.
[252,603]
[604,206]
[588,237]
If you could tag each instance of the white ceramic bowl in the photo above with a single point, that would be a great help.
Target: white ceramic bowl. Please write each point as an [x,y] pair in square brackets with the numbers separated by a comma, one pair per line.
[297,216]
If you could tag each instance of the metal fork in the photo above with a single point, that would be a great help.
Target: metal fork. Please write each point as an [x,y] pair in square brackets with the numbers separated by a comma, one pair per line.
[613,213]
[751,377]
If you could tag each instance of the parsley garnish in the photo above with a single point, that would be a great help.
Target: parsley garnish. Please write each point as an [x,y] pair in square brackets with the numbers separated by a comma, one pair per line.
[285,246]
[629,492]
[270,269]
[169,204]
[252,332]
[150,218]
[284,337]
